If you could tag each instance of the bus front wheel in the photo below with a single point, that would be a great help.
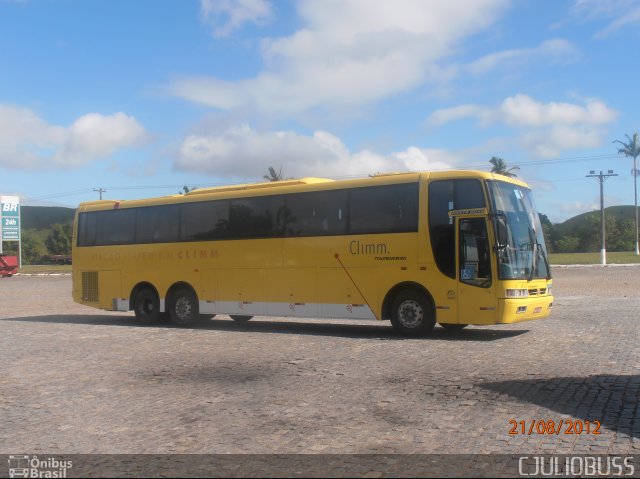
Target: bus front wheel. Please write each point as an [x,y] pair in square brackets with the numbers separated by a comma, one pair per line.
[184,308]
[412,314]
[240,318]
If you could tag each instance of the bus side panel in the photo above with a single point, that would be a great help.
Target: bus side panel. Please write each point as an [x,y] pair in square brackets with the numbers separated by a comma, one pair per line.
[293,292]
[312,265]
[242,291]
[338,296]
[208,296]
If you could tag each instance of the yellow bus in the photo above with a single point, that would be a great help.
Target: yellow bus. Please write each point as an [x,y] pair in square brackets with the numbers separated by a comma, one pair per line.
[454,248]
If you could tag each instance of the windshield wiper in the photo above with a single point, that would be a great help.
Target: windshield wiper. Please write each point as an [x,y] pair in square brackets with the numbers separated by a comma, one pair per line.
[534,252]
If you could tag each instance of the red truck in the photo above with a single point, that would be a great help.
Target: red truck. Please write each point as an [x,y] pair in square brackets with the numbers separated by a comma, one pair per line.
[8,265]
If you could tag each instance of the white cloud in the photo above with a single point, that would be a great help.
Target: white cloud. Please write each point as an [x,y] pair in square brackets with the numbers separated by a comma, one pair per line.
[617,13]
[94,136]
[349,54]
[27,141]
[573,208]
[523,111]
[240,148]
[546,129]
[552,141]
[556,50]
[447,115]
[227,16]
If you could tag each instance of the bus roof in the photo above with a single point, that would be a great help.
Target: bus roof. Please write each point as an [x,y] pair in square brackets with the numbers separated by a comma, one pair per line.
[295,186]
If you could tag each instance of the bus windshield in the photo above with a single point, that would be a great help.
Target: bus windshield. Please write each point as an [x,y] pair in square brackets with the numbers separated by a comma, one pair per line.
[521,251]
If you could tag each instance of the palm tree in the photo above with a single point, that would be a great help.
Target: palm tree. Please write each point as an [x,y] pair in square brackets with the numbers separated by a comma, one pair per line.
[273,175]
[631,149]
[500,167]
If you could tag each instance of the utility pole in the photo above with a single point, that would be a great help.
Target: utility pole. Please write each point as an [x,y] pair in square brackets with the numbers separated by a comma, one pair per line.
[100,190]
[601,179]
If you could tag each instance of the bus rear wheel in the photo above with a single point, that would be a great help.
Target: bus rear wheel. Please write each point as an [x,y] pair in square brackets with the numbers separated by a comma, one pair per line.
[147,306]
[412,314]
[184,308]
[240,318]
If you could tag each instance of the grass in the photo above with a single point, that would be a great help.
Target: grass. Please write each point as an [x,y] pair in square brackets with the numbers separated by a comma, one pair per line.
[593,258]
[53,268]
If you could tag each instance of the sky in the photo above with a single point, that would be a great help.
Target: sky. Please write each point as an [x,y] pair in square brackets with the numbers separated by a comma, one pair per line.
[142,98]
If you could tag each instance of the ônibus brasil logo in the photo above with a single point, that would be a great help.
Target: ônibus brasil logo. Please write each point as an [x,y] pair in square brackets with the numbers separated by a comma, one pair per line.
[32,466]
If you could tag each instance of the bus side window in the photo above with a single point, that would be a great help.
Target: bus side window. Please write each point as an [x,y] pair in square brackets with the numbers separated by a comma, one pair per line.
[317,214]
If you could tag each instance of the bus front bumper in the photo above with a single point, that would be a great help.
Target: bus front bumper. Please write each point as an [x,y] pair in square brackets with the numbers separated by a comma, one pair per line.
[524,309]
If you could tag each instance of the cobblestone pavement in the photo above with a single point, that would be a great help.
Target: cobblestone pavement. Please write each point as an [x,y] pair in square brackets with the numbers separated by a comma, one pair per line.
[79,380]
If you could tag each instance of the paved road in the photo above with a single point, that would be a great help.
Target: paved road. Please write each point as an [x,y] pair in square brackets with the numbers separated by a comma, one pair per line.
[79,380]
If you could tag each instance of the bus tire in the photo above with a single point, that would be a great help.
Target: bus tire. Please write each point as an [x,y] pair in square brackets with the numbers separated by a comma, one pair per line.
[412,313]
[184,308]
[240,318]
[147,306]
[453,327]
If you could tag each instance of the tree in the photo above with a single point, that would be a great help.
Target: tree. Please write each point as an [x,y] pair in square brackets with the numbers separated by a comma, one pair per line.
[591,231]
[59,240]
[567,244]
[186,189]
[500,167]
[32,247]
[273,175]
[631,149]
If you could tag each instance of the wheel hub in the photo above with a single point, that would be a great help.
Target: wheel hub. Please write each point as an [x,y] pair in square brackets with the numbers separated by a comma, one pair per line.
[410,313]
[183,309]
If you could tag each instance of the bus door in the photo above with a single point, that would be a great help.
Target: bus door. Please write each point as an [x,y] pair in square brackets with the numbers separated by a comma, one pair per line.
[477,303]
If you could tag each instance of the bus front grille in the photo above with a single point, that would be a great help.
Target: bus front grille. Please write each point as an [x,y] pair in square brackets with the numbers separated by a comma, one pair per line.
[90,286]
[537,292]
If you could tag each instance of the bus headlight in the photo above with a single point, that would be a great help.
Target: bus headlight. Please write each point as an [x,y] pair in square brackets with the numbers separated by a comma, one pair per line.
[517,293]
[549,292]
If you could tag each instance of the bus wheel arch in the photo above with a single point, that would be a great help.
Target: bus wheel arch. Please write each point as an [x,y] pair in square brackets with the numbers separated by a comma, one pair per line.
[411,309]
[182,304]
[145,302]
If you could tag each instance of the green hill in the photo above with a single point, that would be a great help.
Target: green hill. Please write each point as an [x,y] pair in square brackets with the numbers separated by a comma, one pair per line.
[42,217]
[573,225]
[582,233]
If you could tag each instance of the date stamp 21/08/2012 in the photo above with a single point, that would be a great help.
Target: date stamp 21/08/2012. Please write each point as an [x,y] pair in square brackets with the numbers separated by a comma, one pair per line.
[551,427]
